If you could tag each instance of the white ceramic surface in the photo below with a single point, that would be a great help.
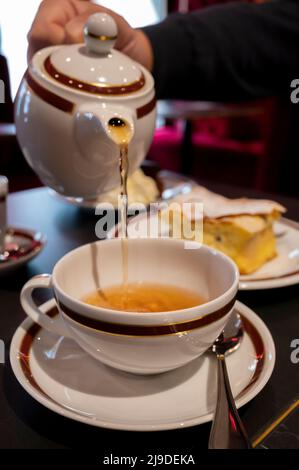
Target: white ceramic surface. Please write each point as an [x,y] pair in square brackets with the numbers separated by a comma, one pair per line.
[76,386]
[62,128]
[146,343]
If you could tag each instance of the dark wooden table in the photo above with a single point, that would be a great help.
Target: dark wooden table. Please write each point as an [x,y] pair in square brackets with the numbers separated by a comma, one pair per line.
[24,423]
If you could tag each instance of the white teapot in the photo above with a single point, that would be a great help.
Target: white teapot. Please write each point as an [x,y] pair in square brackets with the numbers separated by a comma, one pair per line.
[64,104]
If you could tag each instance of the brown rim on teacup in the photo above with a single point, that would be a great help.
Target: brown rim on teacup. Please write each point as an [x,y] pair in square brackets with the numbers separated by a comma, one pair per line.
[146,330]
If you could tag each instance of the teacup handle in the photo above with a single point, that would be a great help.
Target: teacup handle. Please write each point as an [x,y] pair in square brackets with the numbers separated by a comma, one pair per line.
[54,324]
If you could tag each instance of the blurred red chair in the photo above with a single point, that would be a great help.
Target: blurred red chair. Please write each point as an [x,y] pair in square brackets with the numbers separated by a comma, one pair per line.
[240,149]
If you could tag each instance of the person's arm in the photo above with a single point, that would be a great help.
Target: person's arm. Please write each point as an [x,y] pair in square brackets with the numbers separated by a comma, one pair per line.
[231,52]
[62,22]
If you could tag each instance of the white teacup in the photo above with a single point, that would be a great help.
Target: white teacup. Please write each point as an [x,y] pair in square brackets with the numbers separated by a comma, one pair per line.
[141,343]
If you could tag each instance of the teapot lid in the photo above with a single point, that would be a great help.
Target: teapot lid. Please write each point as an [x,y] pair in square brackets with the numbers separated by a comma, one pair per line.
[95,67]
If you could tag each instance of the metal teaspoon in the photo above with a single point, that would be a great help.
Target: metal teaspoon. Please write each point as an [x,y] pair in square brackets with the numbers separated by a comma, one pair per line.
[227,430]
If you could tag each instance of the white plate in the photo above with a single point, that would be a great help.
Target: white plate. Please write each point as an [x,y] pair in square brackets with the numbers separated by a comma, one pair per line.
[280,272]
[28,244]
[61,376]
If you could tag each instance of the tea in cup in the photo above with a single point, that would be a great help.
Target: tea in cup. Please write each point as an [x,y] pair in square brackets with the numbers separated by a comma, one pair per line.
[195,289]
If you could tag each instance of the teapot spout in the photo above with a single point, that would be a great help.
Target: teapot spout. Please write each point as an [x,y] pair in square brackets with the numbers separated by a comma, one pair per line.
[119,126]
[100,130]
[117,122]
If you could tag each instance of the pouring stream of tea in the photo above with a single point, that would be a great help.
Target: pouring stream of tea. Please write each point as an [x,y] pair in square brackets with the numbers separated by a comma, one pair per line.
[121,133]
[135,297]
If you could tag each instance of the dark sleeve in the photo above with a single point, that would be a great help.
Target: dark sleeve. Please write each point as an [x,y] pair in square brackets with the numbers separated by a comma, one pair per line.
[235,51]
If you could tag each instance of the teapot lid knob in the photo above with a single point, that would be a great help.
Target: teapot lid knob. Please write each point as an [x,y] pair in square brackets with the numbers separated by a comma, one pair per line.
[100,33]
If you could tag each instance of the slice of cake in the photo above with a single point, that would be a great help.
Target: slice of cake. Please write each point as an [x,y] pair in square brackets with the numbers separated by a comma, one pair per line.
[240,228]
[248,239]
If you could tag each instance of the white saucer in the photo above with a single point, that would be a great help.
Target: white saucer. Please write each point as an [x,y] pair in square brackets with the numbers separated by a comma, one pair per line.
[61,376]
[21,245]
[280,272]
